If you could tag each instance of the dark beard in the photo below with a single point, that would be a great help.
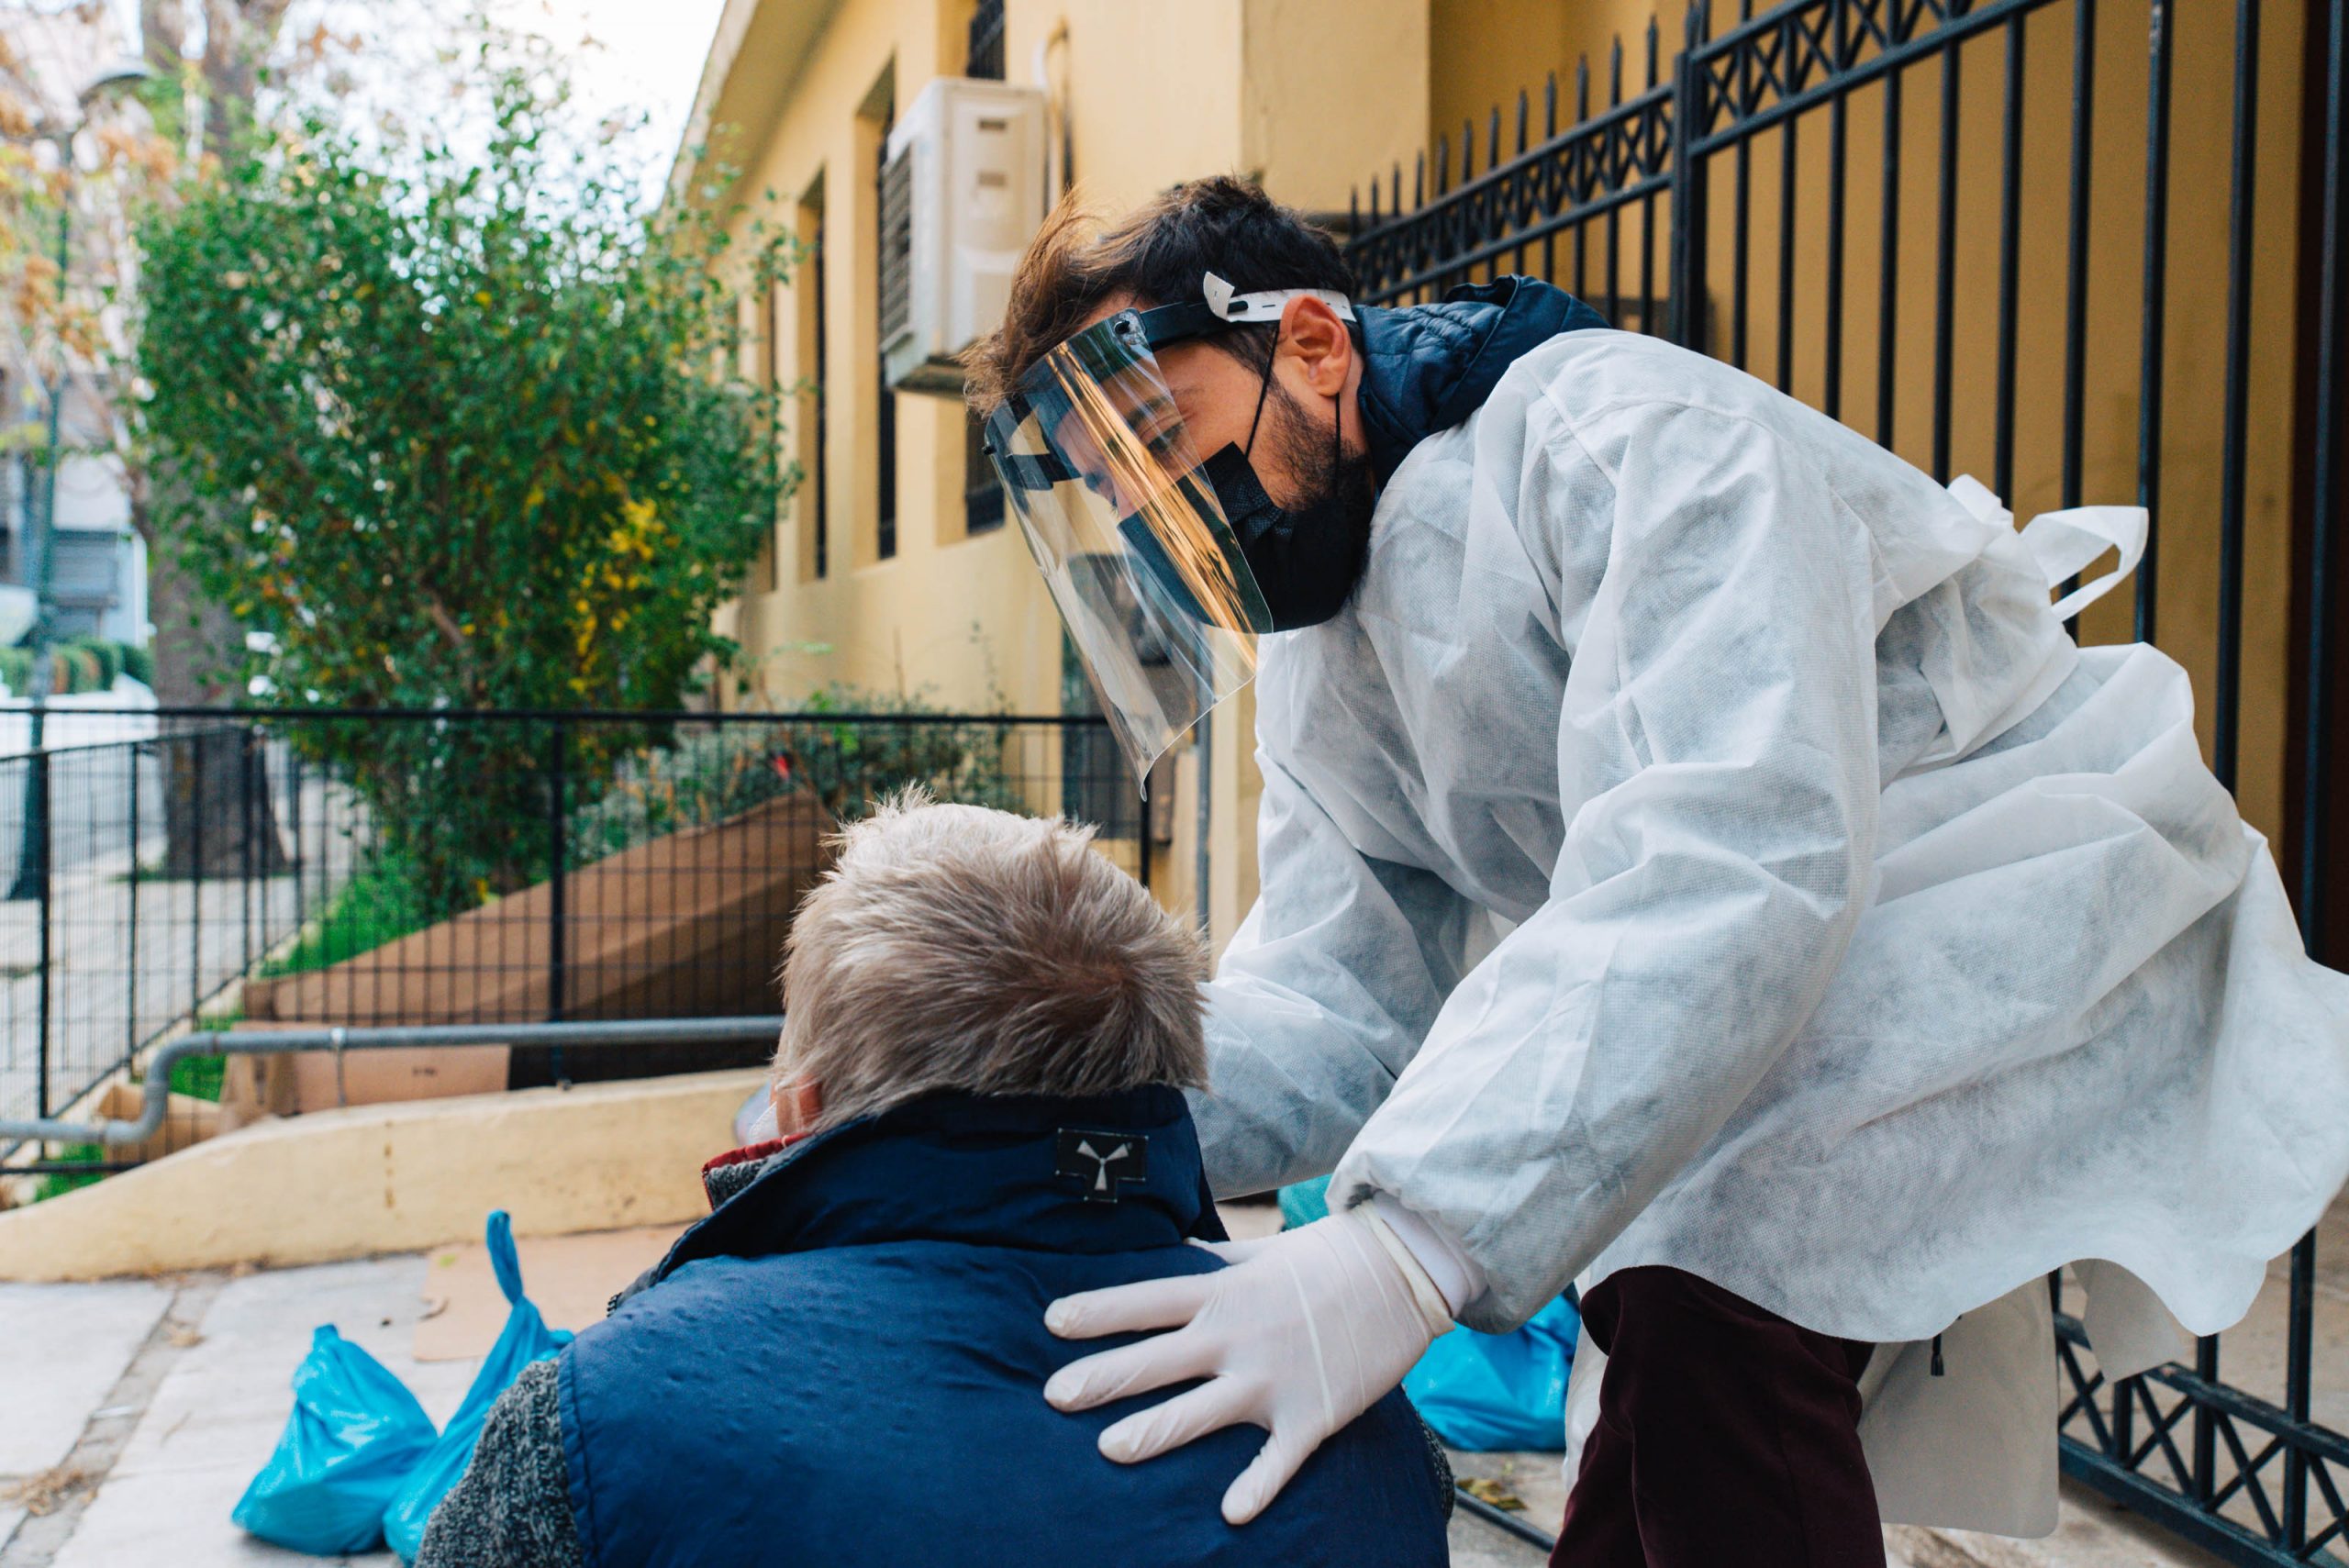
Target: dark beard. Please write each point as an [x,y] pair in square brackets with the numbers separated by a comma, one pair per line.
[1337,492]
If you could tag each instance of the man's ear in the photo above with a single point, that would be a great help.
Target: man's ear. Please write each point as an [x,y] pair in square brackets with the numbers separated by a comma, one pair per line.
[1317,338]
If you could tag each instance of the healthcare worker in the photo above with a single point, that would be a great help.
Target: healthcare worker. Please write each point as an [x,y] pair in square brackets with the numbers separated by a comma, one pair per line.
[1694,860]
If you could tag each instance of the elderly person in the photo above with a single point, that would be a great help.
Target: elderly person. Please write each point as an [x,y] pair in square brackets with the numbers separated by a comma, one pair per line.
[980,1097]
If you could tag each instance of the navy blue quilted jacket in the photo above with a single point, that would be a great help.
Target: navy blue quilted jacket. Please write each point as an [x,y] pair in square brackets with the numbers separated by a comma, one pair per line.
[845,1363]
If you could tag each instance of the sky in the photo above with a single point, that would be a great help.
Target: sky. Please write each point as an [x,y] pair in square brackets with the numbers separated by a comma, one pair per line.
[643,55]
[648,54]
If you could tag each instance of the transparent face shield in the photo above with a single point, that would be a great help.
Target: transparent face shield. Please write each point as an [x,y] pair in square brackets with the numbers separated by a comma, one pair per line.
[1146,572]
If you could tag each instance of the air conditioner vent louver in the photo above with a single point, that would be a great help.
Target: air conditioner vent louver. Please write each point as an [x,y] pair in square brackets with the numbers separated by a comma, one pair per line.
[896,244]
[961,193]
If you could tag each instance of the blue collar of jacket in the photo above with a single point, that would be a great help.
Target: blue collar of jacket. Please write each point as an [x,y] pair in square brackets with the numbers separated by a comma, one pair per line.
[981,1169]
[1427,367]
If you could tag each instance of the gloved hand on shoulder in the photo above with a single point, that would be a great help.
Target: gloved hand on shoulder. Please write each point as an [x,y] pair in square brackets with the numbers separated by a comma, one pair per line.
[1304,1331]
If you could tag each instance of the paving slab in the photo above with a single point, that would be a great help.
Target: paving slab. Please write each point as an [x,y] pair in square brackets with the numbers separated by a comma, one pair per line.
[1475,1544]
[1534,1480]
[61,1348]
[217,1415]
[2090,1532]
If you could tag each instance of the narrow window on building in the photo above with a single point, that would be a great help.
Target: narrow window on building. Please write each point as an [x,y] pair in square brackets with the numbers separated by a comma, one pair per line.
[982,490]
[984,58]
[817,384]
[770,331]
[893,211]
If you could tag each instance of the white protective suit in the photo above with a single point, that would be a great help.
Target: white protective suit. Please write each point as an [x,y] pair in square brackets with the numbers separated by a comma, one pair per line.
[1873,951]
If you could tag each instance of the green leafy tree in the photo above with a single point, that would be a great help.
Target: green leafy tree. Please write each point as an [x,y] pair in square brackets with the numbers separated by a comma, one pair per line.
[459,428]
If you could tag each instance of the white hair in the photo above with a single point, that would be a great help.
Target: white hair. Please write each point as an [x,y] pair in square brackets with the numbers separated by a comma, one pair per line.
[952,948]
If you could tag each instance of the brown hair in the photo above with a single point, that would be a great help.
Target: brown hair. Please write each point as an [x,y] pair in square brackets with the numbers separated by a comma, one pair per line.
[956,948]
[1156,254]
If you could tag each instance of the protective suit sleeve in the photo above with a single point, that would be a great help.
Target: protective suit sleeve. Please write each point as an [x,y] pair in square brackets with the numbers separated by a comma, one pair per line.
[1326,989]
[1717,764]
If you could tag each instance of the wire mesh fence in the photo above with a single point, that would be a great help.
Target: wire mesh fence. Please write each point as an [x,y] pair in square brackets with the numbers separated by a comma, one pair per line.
[267,870]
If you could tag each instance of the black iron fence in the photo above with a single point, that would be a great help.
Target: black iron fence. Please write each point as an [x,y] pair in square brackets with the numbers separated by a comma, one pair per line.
[281,870]
[2090,251]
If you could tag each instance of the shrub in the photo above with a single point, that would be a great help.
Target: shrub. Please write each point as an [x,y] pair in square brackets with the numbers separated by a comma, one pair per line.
[458,428]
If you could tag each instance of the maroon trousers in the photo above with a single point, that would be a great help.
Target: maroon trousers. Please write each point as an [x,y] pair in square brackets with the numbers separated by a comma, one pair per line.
[1726,1435]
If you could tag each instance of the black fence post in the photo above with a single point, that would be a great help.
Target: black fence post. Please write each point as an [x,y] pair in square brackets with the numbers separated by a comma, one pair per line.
[36,843]
[245,847]
[195,879]
[558,880]
[1688,275]
[130,924]
[294,819]
[2325,497]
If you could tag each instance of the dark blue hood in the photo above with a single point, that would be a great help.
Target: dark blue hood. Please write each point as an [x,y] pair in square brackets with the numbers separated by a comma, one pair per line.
[1427,367]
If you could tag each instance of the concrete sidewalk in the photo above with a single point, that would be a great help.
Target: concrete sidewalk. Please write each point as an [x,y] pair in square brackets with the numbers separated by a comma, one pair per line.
[139,1411]
[134,1413]
[2090,1532]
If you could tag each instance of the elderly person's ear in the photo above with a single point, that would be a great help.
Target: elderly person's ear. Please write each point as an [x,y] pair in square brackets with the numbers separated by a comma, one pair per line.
[796,1107]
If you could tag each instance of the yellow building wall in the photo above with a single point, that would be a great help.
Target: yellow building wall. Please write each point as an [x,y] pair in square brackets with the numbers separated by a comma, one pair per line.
[2187,515]
[1485,51]
[1296,91]
[1317,95]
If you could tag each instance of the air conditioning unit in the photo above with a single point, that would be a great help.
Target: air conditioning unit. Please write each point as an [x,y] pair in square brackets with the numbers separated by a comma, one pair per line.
[961,193]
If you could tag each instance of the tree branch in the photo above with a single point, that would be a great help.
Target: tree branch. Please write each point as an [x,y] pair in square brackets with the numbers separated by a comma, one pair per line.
[163,36]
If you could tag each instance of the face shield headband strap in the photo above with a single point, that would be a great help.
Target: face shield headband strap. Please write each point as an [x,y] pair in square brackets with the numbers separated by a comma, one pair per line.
[1218,309]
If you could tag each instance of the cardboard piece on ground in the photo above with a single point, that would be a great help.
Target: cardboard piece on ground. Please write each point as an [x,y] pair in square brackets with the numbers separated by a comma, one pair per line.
[248,1095]
[572,1279]
[690,924]
[401,1073]
[186,1120]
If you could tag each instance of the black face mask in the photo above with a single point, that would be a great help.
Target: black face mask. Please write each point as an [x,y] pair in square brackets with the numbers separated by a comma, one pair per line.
[1307,559]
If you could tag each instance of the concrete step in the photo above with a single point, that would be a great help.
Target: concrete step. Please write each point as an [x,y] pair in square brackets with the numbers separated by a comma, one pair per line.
[392,1178]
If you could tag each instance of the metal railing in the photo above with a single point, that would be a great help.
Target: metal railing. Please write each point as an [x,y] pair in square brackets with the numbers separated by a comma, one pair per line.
[317,870]
[755,1034]
[1850,198]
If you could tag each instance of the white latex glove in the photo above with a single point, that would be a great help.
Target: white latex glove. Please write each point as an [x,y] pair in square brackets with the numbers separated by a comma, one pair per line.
[1301,1334]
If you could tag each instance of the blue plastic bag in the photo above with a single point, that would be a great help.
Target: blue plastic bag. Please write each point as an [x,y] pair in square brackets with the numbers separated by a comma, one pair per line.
[1484,1392]
[355,1435]
[525,1338]
[1304,1203]
[1480,1392]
